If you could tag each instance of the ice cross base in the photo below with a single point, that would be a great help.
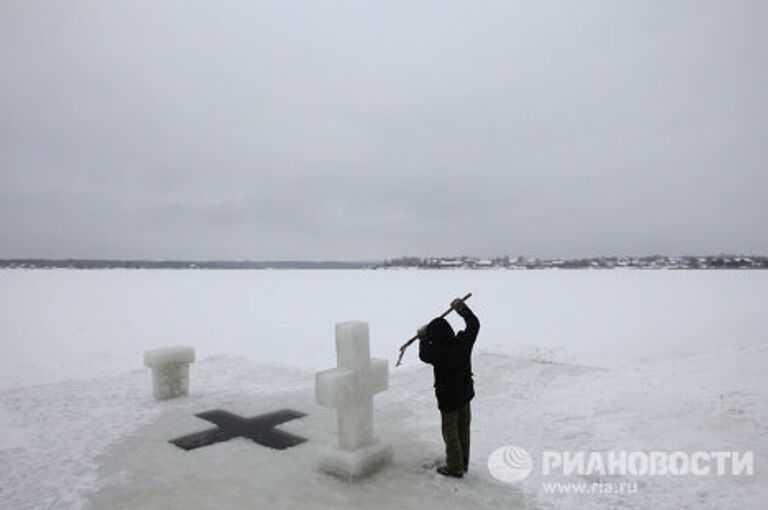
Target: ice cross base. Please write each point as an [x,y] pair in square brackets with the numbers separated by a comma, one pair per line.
[350,389]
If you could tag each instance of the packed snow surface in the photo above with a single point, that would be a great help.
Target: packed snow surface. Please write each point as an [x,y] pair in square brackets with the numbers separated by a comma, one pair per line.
[565,360]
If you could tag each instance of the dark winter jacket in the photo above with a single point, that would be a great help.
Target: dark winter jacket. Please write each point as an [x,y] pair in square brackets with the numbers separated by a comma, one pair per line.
[450,355]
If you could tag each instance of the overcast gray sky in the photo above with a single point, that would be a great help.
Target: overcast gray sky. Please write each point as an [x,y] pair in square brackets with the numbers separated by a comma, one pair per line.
[364,130]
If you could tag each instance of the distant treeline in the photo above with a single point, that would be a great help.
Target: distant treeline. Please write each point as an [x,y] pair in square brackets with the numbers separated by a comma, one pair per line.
[463,262]
[176,264]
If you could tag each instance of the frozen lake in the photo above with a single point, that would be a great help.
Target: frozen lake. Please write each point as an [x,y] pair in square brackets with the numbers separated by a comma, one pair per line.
[61,324]
[565,360]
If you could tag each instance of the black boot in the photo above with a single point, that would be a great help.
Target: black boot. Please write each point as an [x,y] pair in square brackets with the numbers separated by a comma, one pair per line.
[443,470]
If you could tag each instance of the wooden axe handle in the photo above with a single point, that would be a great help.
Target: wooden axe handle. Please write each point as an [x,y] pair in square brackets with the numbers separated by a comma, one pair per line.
[469,295]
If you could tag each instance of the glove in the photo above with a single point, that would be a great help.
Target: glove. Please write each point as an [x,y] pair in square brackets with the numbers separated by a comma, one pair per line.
[458,304]
[422,332]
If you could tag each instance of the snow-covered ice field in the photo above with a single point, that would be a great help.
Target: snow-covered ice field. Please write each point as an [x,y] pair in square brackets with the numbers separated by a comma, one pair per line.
[565,360]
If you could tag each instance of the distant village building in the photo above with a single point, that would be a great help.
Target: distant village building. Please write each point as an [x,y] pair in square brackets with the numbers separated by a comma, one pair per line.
[451,263]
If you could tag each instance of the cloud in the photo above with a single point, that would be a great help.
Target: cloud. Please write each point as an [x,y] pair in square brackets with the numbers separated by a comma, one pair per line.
[345,130]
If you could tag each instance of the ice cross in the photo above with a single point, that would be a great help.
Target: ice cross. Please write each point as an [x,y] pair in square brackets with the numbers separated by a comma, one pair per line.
[260,429]
[350,388]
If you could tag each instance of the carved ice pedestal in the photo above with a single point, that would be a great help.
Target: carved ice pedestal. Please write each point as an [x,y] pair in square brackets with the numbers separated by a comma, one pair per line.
[170,370]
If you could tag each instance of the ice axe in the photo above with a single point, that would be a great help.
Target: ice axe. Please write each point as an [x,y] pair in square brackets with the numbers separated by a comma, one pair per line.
[415,337]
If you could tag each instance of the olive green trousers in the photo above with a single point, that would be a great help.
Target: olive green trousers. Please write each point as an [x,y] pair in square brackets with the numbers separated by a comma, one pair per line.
[456,436]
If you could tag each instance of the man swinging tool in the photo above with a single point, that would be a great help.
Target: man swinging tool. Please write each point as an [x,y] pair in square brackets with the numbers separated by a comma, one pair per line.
[450,356]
